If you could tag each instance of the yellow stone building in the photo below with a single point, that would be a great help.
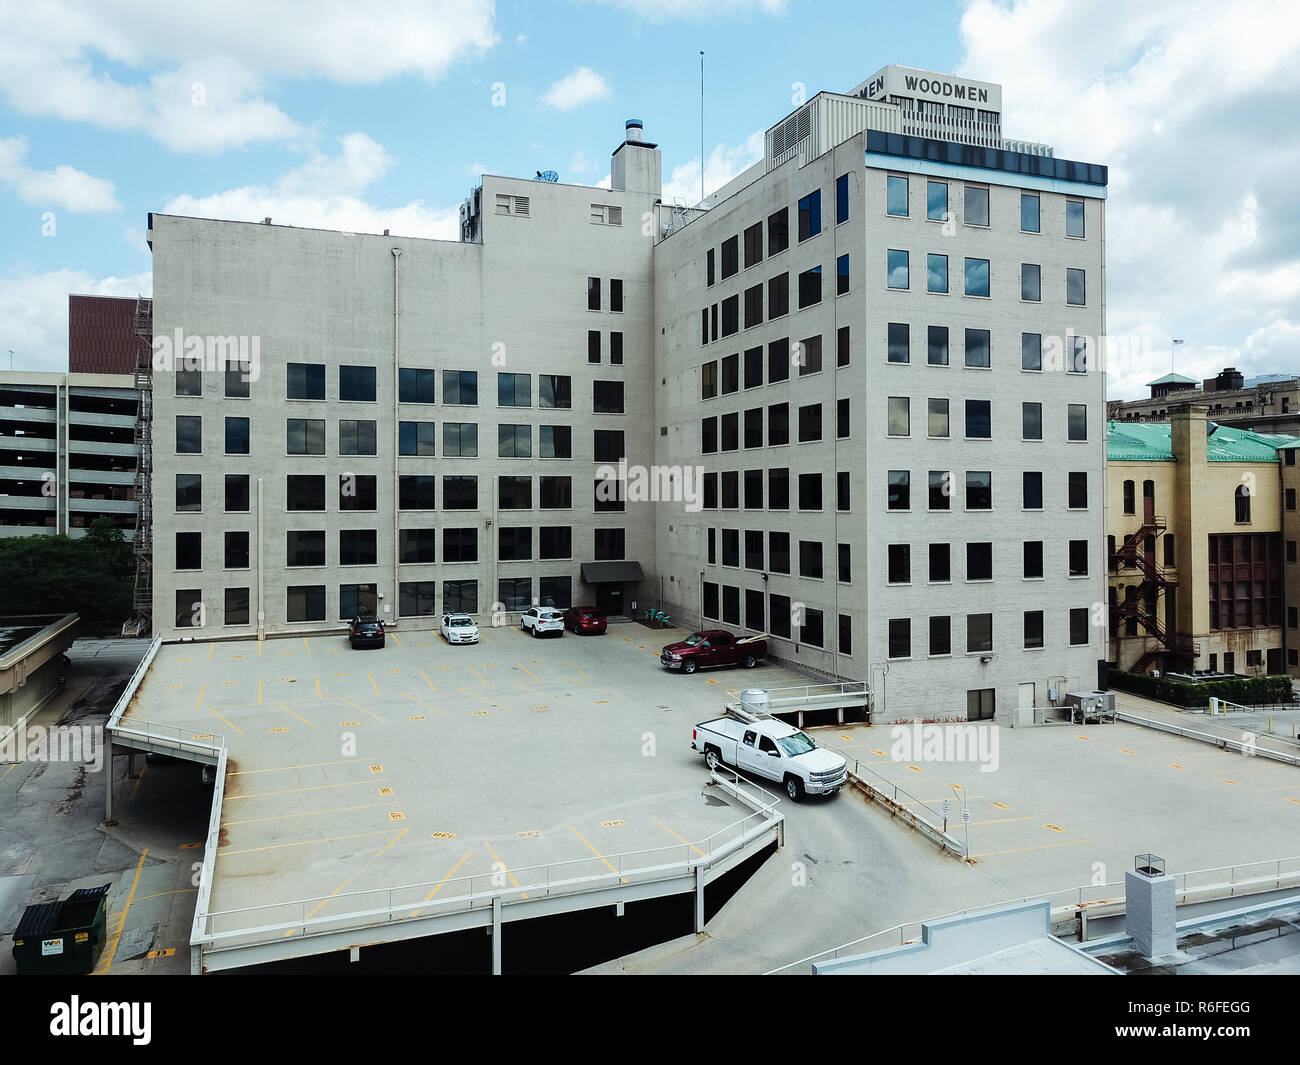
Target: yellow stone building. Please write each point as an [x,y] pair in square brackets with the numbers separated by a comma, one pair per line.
[1202,530]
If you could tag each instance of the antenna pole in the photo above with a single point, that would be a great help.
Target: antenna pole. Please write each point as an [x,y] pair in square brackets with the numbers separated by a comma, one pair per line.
[701,125]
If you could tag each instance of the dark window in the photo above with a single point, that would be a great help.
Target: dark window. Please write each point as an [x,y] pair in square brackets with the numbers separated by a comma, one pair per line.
[778,489]
[730,315]
[841,275]
[940,563]
[1029,213]
[900,495]
[555,441]
[593,293]
[304,381]
[841,199]
[189,434]
[896,268]
[810,215]
[754,427]
[979,562]
[842,351]
[709,276]
[1031,351]
[415,438]
[900,342]
[357,437]
[937,345]
[515,389]
[1076,288]
[305,436]
[1033,629]
[977,277]
[977,206]
[754,244]
[900,564]
[778,360]
[731,547]
[979,420]
[615,294]
[778,424]
[459,545]
[1078,558]
[979,490]
[554,493]
[731,490]
[415,492]
[616,349]
[708,436]
[810,491]
[1078,493]
[940,490]
[979,632]
[357,384]
[515,544]
[236,436]
[358,547]
[1031,485]
[460,387]
[459,492]
[415,386]
[305,492]
[593,345]
[810,423]
[900,637]
[810,287]
[460,597]
[555,541]
[811,632]
[730,257]
[730,374]
[978,348]
[416,546]
[459,439]
[810,558]
[609,544]
[778,296]
[237,492]
[1031,287]
[1074,220]
[236,605]
[189,493]
[936,201]
[753,489]
[514,441]
[754,306]
[809,355]
[709,380]
[1033,559]
[416,599]
[1078,627]
[941,635]
[842,419]
[754,367]
[607,397]
[305,548]
[516,493]
[753,549]
[778,231]
[305,603]
[553,390]
[778,552]
[1031,421]
[358,492]
[189,550]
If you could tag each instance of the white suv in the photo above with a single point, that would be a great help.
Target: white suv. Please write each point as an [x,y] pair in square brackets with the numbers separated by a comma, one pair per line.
[459,628]
[541,620]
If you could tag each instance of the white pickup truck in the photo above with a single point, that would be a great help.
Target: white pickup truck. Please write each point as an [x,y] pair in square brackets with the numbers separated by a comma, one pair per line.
[768,747]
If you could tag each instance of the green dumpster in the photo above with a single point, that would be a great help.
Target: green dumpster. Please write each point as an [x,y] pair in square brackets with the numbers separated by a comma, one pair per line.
[62,938]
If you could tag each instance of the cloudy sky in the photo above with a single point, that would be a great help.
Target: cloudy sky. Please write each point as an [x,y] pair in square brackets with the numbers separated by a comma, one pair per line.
[325,113]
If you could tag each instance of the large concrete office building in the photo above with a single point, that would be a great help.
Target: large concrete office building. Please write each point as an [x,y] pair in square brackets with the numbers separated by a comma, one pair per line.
[855,386]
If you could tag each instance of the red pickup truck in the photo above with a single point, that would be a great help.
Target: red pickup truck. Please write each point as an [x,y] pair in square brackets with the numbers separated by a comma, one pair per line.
[713,647]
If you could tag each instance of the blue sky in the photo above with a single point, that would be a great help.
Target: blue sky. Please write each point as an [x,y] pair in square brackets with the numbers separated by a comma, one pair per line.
[328,114]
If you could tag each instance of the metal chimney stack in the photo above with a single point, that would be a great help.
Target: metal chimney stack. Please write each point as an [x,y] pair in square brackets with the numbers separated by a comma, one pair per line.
[1150,911]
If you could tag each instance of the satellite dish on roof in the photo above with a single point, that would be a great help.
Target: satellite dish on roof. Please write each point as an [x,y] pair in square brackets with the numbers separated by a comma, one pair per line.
[547,175]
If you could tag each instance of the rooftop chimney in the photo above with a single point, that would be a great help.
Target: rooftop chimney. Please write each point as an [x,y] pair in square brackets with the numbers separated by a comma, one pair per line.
[1149,909]
[633,130]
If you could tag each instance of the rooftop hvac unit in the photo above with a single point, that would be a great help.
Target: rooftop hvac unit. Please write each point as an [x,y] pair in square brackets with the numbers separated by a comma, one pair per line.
[1090,706]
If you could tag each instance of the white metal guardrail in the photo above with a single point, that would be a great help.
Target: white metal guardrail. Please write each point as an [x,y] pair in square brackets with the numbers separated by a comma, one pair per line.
[903,804]
[1202,885]
[1231,739]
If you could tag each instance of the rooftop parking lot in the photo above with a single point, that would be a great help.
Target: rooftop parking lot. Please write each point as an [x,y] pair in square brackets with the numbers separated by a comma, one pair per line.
[352,772]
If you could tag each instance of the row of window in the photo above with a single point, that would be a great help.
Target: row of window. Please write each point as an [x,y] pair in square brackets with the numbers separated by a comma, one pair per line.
[975,206]
[360,547]
[899,419]
[778,427]
[358,384]
[723,376]
[727,489]
[773,614]
[979,561]
[977,277]
[415,599]
[979,633]
[941,489]
[978,349]
[615,294]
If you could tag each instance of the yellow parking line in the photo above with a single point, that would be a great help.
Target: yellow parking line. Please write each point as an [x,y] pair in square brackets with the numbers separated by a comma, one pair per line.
[372,682]
[395,639]
[530,673]
[227,722]
[450,873]
[199,701]
[110,954]
[432,686]
[355,706]
[479,675]
[259,648]
[306,644]
[678,836]
[575,668]
[139,778]
[427,706]
[608,864]
[1000,820]
[497,858]
[298,716]
[305,813]
[211,647]
[312,787]
[259,693]
[490,702]
[1041,846]
[306,842]
[8,771]
[319,694]
[288,768]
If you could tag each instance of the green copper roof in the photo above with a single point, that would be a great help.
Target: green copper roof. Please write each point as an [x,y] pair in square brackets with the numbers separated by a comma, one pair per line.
[1150,442]
[1172,379]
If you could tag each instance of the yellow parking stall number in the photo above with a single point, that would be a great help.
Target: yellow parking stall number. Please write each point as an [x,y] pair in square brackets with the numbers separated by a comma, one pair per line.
[442,835]
[376,769]
[612,824]
[385,791]
[396,815]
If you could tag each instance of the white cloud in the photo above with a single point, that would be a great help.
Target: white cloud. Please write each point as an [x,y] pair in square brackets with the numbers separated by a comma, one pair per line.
[64,186]
[324,193]
[34,313]
[725,162]
[583,86]
[580,164]
[1190,105]
[137,65]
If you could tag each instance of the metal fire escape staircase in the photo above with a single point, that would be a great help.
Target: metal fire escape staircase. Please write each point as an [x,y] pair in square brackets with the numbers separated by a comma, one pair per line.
[142,602]
[1131,554]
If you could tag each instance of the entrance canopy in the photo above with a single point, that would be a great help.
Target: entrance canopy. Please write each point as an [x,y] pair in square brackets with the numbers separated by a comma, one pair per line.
[609,572]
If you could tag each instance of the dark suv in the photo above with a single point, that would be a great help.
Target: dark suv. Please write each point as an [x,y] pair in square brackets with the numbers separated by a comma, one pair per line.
[366,631]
